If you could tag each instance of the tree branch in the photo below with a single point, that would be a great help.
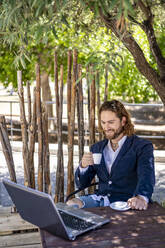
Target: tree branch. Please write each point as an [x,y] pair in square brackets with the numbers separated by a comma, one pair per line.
[146,10]
[147,27]
[140,60]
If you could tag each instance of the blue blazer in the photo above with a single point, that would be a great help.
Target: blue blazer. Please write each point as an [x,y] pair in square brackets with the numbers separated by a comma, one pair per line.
[132,172]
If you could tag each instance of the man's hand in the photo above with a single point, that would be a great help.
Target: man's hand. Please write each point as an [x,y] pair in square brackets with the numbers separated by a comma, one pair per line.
[137,202]
[87,160]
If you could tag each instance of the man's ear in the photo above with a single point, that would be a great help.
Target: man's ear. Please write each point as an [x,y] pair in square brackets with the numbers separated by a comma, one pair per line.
[123,122]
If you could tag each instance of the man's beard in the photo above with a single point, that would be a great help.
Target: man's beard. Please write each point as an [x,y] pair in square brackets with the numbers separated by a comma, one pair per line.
[115,133]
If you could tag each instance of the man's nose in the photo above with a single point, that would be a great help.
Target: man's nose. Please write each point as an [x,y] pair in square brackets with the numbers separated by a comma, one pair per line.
[107,126]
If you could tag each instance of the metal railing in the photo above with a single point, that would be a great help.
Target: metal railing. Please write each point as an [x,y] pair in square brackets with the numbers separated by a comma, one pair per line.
[12,113]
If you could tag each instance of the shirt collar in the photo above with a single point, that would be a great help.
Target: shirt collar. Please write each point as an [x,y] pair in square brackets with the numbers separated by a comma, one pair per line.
[120,143]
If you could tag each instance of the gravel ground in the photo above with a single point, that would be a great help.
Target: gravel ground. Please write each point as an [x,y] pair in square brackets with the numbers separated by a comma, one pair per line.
[159,193]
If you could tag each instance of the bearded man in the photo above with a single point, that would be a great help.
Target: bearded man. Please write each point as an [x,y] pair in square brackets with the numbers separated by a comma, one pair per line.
[126,168]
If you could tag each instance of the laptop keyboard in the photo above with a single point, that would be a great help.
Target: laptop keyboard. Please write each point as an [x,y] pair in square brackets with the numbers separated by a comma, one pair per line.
[75,222]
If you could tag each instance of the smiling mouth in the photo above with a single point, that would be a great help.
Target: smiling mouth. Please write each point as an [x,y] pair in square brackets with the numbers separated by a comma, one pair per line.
[109,131]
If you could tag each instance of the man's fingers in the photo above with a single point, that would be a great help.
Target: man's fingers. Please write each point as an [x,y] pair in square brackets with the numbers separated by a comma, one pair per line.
[137,203]
[88,155]
[87,159]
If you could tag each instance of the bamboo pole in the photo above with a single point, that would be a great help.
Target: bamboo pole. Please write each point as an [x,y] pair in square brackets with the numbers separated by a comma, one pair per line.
[56,87]
[88,98]
[92,118]
[80,114]
[59,190]
[24,130]
[98,104]
[7,148]
[92,110]
[40,132]
[69,84]
[29,103]
[70,183]
[106,84]
[46,165]
[32,138]
[80,118]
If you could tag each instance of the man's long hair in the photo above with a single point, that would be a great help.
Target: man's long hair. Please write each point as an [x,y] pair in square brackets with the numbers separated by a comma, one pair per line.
[120,111]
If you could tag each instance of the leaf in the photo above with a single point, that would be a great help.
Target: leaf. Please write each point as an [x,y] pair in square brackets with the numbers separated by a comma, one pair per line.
[79,79]
[96,8]
[22,60]
[45,39]
[12,12]
[40,10]
[83,3]
[64,20]
[119,11]
[27,57]
[58,4]
[54,32]
[34,3]
[110,71]
[113,3]
[16,62]
[128,7]
[39,33]
[103,7]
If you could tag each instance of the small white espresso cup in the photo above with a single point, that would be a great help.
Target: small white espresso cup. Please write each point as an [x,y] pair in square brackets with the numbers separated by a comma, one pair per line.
[97,158]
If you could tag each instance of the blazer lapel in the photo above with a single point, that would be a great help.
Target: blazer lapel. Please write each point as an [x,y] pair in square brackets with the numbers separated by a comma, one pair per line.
[122,152]
[102,167]
[104,171]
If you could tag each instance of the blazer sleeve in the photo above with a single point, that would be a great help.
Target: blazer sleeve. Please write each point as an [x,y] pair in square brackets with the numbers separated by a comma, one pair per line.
[83,180]
[145,171]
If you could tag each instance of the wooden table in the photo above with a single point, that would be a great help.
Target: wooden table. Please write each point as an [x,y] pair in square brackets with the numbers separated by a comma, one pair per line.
[129,229]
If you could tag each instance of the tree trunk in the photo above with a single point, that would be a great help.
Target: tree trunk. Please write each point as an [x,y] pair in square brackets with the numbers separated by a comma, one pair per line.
[80,117]
[92,119]
[46,96]
[29,104]
[56,87]
[88,102]
[92,110]
[32,137]
[106,84]
[70,184]
[59,190]
[69,85]
[80,114]
[46,165]
[98,105]
[40,131]
[6,147]
[24,130]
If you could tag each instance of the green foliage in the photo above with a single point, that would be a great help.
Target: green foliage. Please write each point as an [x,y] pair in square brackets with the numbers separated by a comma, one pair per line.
[8,72]
[31,29]
[129,85]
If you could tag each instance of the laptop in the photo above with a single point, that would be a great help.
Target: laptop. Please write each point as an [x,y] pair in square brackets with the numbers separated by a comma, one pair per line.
[59,219]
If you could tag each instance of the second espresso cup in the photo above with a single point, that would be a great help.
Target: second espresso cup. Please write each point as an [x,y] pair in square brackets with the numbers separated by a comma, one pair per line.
[97,158]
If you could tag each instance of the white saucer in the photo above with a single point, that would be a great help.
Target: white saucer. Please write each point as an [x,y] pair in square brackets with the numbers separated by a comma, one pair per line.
[120,206]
